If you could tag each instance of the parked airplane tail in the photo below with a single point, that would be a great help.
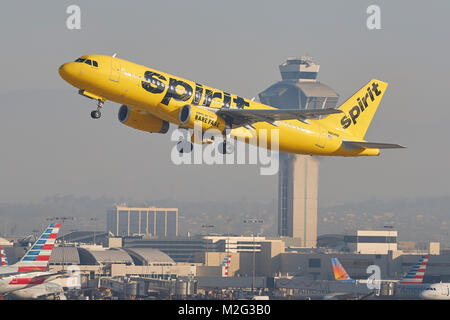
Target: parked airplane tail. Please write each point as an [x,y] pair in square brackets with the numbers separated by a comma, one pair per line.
[3,259]
[38,255]
[226,260]
[226,265]
[415,275]
[358,110]
[339,272]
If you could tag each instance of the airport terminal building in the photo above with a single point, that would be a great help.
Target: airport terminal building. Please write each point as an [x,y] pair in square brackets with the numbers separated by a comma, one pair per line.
[128,221]
[279,265]
[265,256]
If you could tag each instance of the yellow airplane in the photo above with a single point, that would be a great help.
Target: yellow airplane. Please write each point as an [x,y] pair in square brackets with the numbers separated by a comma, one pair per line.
[152,99]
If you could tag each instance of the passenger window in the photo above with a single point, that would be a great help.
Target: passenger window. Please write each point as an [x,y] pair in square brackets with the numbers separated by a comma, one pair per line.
[89,62]
[94,63]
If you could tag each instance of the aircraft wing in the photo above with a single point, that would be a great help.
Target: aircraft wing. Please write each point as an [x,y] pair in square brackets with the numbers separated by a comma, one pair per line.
[361,145]
[242,117]
[38,274]
[9,274]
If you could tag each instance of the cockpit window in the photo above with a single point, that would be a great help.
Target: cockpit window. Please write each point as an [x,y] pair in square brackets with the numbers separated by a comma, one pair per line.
[88,61]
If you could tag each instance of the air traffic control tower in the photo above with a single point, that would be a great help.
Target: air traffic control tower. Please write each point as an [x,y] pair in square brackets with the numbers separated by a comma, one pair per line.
[298,175]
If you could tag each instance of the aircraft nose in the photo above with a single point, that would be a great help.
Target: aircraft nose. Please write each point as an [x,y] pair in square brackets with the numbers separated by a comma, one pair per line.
[424,295]
[67,71]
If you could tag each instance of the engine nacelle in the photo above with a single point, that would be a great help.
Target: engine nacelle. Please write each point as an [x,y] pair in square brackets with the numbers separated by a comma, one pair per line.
[142,120]
[209,120]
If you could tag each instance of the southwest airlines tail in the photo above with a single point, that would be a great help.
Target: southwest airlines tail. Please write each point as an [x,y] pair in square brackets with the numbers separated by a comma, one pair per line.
[339,272]
[415,275]
[3,259]
[358,110]
[37,257]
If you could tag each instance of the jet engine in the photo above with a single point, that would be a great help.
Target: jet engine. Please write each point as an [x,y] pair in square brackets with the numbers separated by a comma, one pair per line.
[208,119]
[142,120]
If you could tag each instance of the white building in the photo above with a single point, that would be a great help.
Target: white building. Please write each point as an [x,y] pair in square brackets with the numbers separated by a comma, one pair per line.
[5,243]
[235,244]
[373,241]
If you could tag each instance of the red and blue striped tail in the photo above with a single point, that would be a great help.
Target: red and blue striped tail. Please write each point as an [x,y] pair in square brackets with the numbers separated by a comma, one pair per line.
[415,275]
[226,265]
[38,256]
[3,259]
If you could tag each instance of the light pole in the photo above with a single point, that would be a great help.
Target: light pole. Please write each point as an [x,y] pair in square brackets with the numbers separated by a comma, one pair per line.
[388,238]
[207,240]
[95,226]
[253,221]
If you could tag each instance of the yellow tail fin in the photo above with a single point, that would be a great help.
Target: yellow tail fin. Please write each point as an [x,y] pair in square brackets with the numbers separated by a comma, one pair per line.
[358,111]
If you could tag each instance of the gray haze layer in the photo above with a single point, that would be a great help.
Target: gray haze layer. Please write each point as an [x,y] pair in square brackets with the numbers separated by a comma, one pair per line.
[49,144]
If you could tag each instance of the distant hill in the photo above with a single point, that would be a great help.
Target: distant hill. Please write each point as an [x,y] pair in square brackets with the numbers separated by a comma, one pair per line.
[226,217]
[420,219]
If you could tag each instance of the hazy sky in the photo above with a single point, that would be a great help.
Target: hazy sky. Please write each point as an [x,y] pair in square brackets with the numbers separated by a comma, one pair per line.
[49,144]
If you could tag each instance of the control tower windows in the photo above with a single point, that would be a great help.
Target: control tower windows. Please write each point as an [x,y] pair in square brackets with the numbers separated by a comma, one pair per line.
[298,75]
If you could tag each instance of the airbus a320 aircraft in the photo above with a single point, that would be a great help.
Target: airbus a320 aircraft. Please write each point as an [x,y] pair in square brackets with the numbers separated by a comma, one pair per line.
[152,99]
[46,290]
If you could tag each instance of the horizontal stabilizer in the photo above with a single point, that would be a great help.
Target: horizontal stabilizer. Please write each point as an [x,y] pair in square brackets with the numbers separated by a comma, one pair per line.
[350,145]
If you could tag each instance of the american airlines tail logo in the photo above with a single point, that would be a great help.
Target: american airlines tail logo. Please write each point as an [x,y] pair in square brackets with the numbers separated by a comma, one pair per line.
[362,105]
[3,260]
